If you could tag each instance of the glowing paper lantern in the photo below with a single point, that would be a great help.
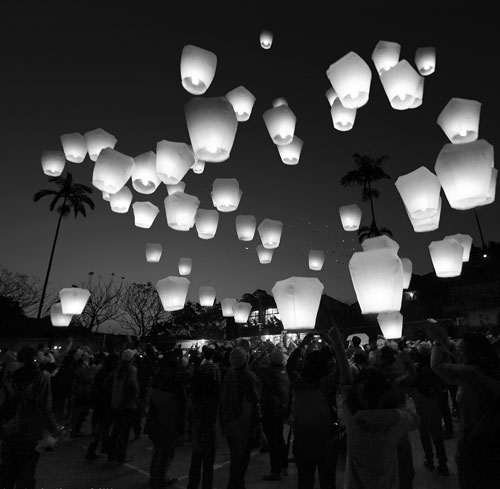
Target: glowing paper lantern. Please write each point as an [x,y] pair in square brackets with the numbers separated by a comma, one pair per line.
[227,307]
[350,215]
[342,117]
[173,160]
[425,60]
[106,196]
[112,170]
[242,101]
[153,252]
[207,296]
[53,163]
[391,324]
[290,153]
[270,233]
[402,85]
[181,210]
[407,270]
[57,317]
[466,241]
[460,120]
[426,225]
[241,311]
[297,300]
[173,292]
[382,242]
[144,177]
[465,172]
[226,194]
[265,255]
[266,39]
[351,77]
[212,126]
[185,266]
[447,256]
[206,221]
[386,55]
[73,300]
[245,227]
[179,187]
[120,202]
[316,259]
[144,214]
[279,101]
[97,140]
[74,147]
[280,122]
[331,96]
[197,69]
[198,167]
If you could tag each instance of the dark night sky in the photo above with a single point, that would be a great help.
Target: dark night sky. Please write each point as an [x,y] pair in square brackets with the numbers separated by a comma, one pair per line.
[76,68]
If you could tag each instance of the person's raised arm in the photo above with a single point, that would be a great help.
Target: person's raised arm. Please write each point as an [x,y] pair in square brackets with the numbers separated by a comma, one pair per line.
[338,347]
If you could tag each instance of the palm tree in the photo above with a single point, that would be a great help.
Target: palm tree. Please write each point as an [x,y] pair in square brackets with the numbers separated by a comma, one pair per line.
[74,197]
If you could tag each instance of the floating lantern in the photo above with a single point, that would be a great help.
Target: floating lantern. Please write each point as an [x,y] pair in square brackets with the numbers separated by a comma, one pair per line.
[447,257]
[197,69]
[198,167]
[407,270]
[466,241]
[53,163]
[426,225]
[73,300]
[206,221]
[112,170]
[173,160]
[386,55]
[316,259]
[207,296]
[266,39]
[350,215]
[106,196]
[178,187]
[460,120]
[279,101]
[381,242]
[402,85]
[425,60]
[57,317]
[265,255]
[144,214]
[181,210]
[144,177]
[241,311]
[290,153]
[351,77]
[245,227]
[297,300]
[226,194]
[227,307]
[331,96]
[74,147]
[153,252]
[185,266]
[120,202]
[173,292]
[342,117]
[242,101]
[280,122]
[97,140]
[391,324]
[270,233]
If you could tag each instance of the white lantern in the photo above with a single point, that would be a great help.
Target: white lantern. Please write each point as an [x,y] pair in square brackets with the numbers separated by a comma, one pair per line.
[74,147]
[386,55]
[120,202]
[465,172]
[97,140]
[144,214]
[180,209]
[227,307]
[57,317]
[407,270]
[178,187]
[206,221]
[266,39]
[144,177]
[245,227]
[466,241]
[185,266]
[197,69]
[381,242]
[207,296]
[316,259]
[198,167]
[53,163]
[242,101]
[297,300]
[212,126]
[153,252]
[73,300]
[447,256]
[426,225]
[226,194]
[391,324]
[290,153]
[425,60]
[241,311]
[173,160]
[270,233]
[351,77]
[460,120]
[402,85]
[112,170]
[342,117]
[173,292]
[280,122]
[420,191]
[350,215]
[265,255]
[331,96]
[106,196]
[279,101]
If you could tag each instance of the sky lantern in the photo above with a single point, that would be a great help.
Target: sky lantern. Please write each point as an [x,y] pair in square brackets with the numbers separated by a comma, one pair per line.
[342,117]
[270,233]
[297,300]
[112,170]
[465,172]
[266,39]
[280,122]
[98,139]
[153,252]
[245,227]
[279,101]
[331,96]
[212,126]
[74,147]
[265,255]
[242,101]
[316,259]
[290,153]
[173,292]
[350,215]
[391,324]
[227,307]
[206,221]
[386,55]
[428,224]
[57,317]
[226,194]
[447,257]
[407,270]
[173,160]
[351,77]
[425,60]
[207,296]
[181,210]
[459,120]
[198,167]
[402,85]
[144,214]
[178,187]
[73,300]
[241,311]
[185,266]
[120,202]
[420,191]
[144,177]
[53,163]
[106,196]
[379,243]
[466,241]
[197,69]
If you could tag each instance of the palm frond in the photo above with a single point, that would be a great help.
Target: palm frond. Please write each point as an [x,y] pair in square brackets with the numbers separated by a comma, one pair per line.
[43,193]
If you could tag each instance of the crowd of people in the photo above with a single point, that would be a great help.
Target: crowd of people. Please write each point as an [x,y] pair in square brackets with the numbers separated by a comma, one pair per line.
[340,400]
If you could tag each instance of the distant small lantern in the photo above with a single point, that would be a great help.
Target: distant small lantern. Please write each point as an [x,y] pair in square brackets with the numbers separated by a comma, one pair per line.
[290,153]
[280,122]
[466,241]
[212,126]
[120,202]
[197,69]
[351,77]
[180,209]
[178,187]
[57,317]
[106,196]
[407,270]
[198,167]
[73,300]
[245,227]
[242,101]
[350,215]
[297,300]
[226,194]
[391,324]
[153,252]
[425,60]
[316,259]
[386,55]
[270,233]
[428,224]
[331,96]
[112,170]
[265,255]
[144,214]
[465,172]
[173,161]
[241,311]
[173,292]
[460,120]
[53,163]
[266,39]
[342,117]
[402,85]
[206,221]
[74,147]
[185,266]
[207,296]
[447,257]
[97,140]
[144,177]
[227,307]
